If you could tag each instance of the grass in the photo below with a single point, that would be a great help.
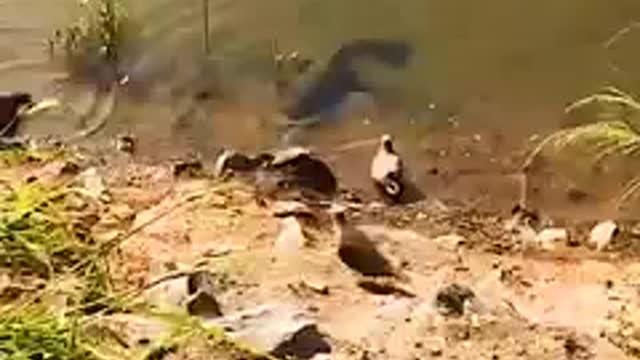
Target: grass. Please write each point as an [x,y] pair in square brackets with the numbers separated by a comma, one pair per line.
[38,333]
[607,132]
[43,242]
[97,36]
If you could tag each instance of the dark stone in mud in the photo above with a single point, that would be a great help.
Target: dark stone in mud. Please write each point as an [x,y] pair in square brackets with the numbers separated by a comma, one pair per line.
[451,299]
[202,301]
[379,287]
[195,292]
[280,330]
[191,167]
[126,143]
[70,168]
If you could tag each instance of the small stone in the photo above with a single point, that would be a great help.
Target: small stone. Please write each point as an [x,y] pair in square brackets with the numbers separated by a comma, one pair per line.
[435,351]
[548,238]
[93,183]
[451,299]
[451,241]
[317,287]
[126,143]
[603,234]
[189,168]
[608,284]
[291,236]
[277,329]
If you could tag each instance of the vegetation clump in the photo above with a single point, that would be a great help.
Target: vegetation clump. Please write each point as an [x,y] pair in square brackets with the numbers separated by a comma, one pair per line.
[96,38]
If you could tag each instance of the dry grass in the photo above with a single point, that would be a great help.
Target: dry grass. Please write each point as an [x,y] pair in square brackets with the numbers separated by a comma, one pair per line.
[607,133]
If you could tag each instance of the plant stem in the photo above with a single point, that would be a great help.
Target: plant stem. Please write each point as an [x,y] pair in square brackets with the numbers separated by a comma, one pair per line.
[205,19]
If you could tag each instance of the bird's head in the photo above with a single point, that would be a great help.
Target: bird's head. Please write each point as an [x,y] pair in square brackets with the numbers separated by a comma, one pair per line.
[386,142]
[23,100]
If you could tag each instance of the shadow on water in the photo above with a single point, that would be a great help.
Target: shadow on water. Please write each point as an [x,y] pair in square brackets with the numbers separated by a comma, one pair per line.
[340,77]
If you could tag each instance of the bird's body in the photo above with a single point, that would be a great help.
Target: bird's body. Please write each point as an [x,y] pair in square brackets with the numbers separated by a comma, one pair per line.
[387,171]
[299,168]
[358,252]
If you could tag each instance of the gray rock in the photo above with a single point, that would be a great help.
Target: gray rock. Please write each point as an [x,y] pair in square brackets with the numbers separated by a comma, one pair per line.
[547,239]
[193,292]
[93,183]
[452,300]
[291,237]
[277,329]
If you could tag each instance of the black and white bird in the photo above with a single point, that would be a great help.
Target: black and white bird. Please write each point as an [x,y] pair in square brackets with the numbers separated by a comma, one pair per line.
[230,162]
[301,168]
[387,171]
[357,251]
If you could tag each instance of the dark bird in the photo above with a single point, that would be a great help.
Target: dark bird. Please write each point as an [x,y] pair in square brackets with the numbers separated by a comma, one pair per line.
[387,171]
[10,106]
[357,251]
[332,86]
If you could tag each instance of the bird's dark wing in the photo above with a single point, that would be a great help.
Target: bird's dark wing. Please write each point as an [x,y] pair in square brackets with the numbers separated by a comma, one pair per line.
[361,255]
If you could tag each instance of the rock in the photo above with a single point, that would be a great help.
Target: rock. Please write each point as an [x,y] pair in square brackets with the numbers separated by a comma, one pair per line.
[191,167]
[315,286]
[194,292]
[548,238]
[603,234]
[70,168]
[277,329]
[384,287]
[436,351]
[202,301]
[291,236]
[526,236]
[451,242]
[93,183]
[452,299]
[126,143]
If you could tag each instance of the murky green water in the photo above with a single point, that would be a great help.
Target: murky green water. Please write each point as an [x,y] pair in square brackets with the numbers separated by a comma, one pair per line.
[508,64]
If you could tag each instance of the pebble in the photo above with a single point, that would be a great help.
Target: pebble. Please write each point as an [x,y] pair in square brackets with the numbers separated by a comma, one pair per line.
[548,238]
[436,351]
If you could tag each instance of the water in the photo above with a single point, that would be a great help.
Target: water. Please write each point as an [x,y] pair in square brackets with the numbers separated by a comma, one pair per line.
[505,66]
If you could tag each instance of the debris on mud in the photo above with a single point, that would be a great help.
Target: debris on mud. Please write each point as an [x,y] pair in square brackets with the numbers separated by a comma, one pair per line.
[278,329]
[453,300]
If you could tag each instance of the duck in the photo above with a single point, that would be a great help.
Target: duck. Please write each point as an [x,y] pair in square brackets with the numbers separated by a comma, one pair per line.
[387,171]
[301,168]
[356,250]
